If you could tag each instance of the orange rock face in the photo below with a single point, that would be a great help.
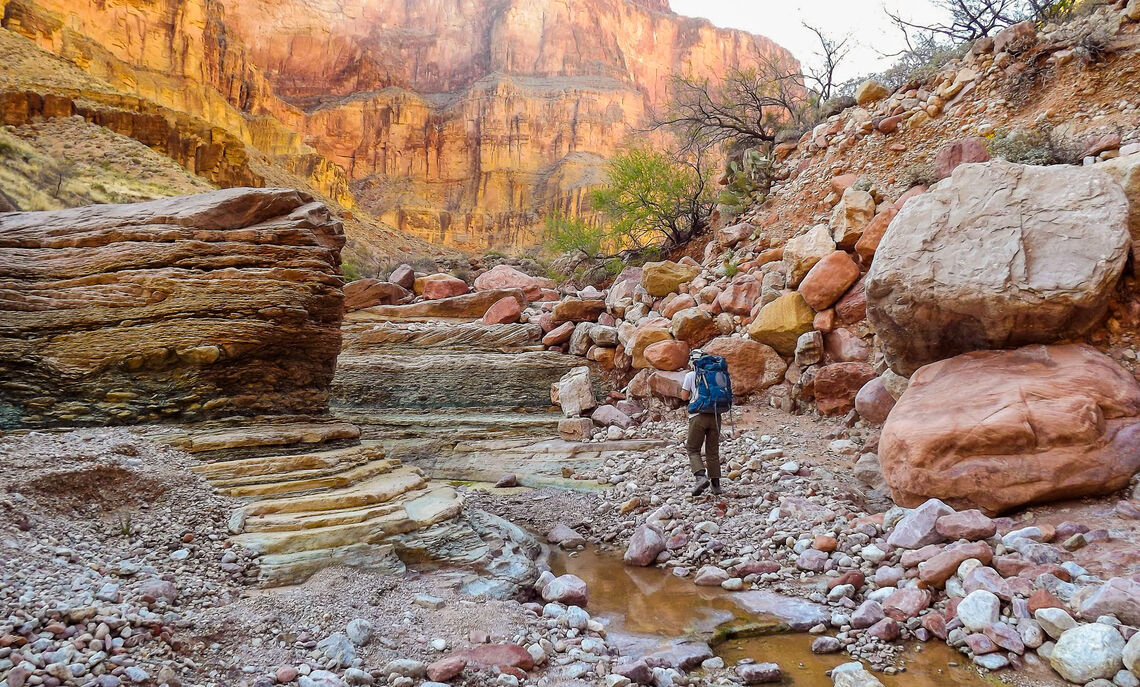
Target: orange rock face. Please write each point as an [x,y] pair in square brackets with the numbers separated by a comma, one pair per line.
[186,308]
[458,122]
[1000,429]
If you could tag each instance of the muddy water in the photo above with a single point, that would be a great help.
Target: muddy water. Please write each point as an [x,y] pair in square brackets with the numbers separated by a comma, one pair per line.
[645,607]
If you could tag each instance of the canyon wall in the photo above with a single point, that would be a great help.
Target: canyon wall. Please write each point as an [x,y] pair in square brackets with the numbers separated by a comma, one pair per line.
[458,122]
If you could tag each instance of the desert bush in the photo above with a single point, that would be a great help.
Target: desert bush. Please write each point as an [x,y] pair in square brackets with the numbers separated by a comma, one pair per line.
[918,174]
[1042,145]
[351,270]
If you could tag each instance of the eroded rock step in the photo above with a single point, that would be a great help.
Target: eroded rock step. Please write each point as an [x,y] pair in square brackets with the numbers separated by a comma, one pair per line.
[408,365]
[322,503]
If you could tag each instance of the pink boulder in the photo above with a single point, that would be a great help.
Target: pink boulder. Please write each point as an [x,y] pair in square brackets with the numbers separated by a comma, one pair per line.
[959,152]
[504,311]
[828,280]
[837,385]
[444,286]
[874,402]
[668,355]
[507,277]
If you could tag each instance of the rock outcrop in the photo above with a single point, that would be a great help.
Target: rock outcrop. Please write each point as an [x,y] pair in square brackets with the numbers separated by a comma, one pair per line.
[998,256]
[180,309]
[450,120]
[1038,424]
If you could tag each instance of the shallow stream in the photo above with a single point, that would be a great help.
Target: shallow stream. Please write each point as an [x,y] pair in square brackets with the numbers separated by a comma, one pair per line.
[644,608]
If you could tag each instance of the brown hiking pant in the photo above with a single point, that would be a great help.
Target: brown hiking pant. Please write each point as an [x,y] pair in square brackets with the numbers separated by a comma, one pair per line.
[704,428]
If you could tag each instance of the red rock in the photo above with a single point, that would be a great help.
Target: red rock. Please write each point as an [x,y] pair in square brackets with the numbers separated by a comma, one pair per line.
[874,402]
[443,286]
[889,125]
[842,182]
[740,296]
[1038,424]
[1043,598]
[942,566]
[960,152]
[403,276]
[507,277]
[843,346]
[752,366]
[935,624]
[828,280]
[981,644]
[967,524]
[756,568]
[836,386]
[678,304]
[852,307]
[666,385]
[365,293]
[852,577]
[988,579]
[647,333]
[868,243]
[906,603]
[559,335]
[886,629]
[1009,566]
[1016,38]
[1005,637]
[446,669]
[824,321]
[910,559]
[1098,144]
[824,542]
[504,311]
[668,355]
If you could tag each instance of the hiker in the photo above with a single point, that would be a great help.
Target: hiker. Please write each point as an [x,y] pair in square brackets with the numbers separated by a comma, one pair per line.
[708,389]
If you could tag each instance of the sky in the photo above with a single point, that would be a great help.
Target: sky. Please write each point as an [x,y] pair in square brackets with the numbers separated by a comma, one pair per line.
[782,20]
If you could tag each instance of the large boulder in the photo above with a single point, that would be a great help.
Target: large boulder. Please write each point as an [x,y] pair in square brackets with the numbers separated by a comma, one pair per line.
[576,392]
[828,280]
[1087,652]
[507,277]
[443,286]
[740,296]
[646,334]
[1125,170]
[693,326]
[667,355]
[189,308]
[752,366]
[870,91]
[365,293]
[804,251]
[997,256]
[780,323]
[837,385]
[1000,429]
[576,310]
[663,278]
[850,217]
[469,306]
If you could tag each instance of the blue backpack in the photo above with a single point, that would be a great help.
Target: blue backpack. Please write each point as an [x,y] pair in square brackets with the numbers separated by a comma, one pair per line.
[713,388]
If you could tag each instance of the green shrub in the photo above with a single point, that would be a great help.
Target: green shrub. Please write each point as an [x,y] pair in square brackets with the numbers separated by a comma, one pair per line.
[352,271]
[1039,146]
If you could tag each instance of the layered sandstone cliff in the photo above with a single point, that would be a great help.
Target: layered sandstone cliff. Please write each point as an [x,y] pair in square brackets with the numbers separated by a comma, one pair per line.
[176,309]
[460,123]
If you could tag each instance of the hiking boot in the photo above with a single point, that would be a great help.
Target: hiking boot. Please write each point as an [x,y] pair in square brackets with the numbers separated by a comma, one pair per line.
[702,483]
[716,487]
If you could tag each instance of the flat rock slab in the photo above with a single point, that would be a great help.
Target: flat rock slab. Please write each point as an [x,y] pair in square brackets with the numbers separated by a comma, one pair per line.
[799,614]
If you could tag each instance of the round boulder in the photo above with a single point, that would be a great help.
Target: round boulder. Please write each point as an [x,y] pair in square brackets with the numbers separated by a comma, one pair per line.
[997,256]
[995,430]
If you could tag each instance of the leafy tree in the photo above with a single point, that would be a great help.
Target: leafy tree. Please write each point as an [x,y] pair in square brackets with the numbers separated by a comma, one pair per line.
[651,199]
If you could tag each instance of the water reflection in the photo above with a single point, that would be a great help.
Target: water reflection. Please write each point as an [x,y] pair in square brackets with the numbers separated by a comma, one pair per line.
[642,606]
